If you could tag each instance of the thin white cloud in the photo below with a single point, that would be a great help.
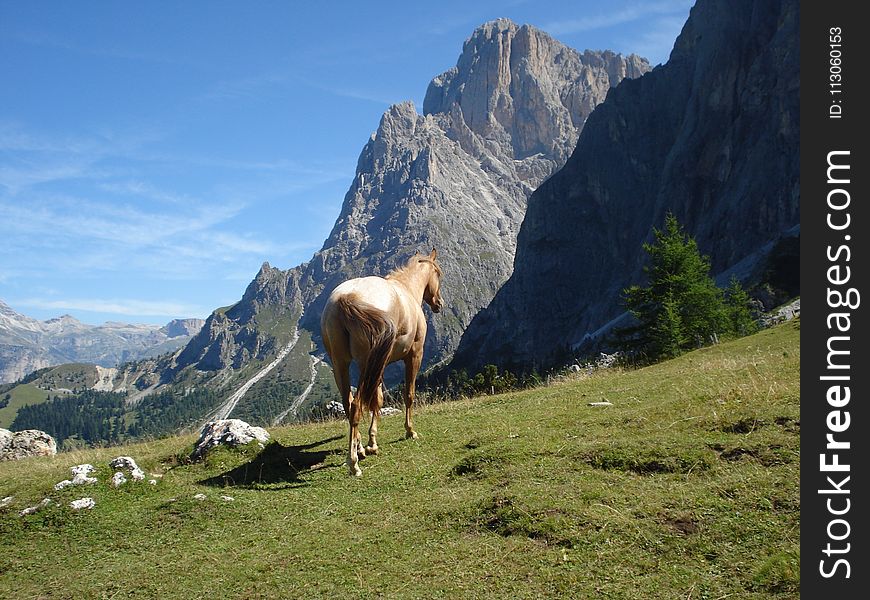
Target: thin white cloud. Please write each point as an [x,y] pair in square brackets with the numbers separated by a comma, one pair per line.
[626,14]
[129,307]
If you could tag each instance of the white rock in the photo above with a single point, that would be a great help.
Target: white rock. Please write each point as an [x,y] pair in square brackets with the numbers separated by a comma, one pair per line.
[6,501]
[199,497]
[118,479]
[84,470]
[230,432]
[32,509]
[82,503]
[126,463]
[389,410]
[227,498]
[152,482]
[79,479]
[604,403]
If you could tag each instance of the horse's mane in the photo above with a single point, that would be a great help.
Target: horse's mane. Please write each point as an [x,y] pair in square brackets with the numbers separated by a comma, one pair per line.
[404,272]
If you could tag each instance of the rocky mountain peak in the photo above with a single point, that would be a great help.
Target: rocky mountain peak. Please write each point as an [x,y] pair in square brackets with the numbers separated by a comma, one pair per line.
[517,87]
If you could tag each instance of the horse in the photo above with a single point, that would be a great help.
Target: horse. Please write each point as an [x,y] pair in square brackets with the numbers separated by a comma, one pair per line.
[376,321]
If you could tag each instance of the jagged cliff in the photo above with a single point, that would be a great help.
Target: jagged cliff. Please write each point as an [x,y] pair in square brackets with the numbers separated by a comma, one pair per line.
[711,136]
[457,178]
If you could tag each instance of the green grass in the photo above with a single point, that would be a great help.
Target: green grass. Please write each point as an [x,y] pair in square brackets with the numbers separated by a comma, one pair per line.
[20,395]
[687,487]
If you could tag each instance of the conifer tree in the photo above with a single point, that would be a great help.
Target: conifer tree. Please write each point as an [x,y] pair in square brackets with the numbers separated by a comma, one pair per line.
[681,307]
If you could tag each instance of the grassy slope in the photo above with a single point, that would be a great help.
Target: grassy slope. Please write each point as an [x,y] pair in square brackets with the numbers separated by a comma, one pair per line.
[688,486]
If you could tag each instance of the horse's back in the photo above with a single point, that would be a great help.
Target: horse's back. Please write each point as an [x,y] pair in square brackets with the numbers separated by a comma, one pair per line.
[373,291]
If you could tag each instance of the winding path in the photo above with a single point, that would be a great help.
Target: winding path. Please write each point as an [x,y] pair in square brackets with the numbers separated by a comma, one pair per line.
[297,402]
[224,410]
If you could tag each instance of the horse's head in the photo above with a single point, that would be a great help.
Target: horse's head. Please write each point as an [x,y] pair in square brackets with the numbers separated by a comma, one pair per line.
[432,292]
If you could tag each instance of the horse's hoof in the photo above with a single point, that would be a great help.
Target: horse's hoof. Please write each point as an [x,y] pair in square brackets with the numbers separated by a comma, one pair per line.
[373,450]
[411,435]
[361,453]
[355,471]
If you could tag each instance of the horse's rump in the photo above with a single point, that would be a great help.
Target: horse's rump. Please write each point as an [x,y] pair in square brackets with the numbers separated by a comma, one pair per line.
[380,333]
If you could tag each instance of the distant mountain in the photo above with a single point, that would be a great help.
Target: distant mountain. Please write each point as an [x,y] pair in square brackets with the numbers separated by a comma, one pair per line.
[27,344]
[712,136]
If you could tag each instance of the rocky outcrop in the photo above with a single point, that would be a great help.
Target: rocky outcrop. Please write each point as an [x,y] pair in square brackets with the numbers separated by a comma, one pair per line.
[253,328]
[227,432]
[25,444]
[711,136]
[27,344]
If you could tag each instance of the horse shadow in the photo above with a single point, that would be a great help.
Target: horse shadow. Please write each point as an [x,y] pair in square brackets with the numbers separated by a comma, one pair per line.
[276,464]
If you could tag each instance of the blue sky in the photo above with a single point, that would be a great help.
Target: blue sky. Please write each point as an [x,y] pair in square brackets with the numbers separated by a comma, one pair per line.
[153,155]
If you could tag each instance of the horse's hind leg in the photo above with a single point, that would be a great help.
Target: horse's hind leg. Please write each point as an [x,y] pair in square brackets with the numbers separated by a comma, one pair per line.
[341,371]
[354,443]
[372,448]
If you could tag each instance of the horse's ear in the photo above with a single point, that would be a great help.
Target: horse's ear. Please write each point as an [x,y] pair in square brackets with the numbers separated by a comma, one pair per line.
[433,254]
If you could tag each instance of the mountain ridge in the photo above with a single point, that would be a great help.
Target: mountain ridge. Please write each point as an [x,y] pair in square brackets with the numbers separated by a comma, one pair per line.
[28,344]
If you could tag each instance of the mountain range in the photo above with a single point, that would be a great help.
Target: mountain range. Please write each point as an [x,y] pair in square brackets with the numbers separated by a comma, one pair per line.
[27,344]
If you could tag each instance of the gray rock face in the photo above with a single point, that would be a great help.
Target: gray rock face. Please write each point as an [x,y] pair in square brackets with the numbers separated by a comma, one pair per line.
[24,444]
[457,178]
[27,344]
[711,136]
[229,432]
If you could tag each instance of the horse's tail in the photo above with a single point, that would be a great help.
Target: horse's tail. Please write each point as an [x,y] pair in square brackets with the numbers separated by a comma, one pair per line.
[380,333]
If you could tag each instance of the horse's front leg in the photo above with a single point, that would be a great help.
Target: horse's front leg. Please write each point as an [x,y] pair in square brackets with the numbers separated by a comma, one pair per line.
[372,448]
[412,366]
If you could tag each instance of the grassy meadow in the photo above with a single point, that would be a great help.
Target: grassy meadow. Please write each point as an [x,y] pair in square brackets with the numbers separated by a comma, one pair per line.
[686,487]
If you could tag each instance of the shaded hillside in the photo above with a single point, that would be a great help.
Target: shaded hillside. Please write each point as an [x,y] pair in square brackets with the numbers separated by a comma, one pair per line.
[711,136]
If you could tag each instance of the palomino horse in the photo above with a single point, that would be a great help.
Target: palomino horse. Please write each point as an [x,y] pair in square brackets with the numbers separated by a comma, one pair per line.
[376,321]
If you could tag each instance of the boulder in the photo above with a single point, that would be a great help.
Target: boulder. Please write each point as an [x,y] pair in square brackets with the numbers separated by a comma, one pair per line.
[118,479]
[228,432]
[24,444]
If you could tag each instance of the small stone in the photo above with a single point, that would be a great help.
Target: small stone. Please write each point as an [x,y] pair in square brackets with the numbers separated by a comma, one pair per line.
[79,479]
[152,482]
[84,470]
[389,410]
[81,503]
[6,501]
[118,479]
[227,498]
[199,497]
[604,403]
[33,509]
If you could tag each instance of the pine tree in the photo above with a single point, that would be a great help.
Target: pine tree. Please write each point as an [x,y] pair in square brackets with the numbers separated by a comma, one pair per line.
[681,308]
[737,303]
